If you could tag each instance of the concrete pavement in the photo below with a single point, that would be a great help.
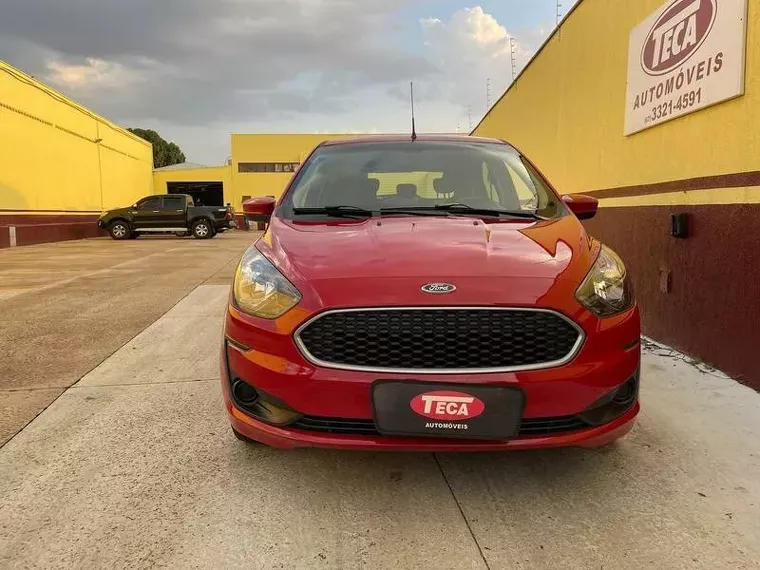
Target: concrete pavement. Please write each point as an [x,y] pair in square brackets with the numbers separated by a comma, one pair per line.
[64,307]
[135,467]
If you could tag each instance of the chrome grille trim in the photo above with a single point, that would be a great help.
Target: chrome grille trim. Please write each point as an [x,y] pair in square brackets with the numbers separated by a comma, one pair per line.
[442,371]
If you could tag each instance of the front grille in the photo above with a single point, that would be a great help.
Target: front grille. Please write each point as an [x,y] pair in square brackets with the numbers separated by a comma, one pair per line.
[447,339]
[528,427]
[336,426]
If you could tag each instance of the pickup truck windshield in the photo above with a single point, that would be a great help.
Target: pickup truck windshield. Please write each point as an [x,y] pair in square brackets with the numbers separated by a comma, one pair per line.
[419,176]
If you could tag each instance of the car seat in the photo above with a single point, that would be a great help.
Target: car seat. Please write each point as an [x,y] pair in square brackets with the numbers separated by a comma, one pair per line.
[457,186]
[367,192]
[406,195]
[442,189]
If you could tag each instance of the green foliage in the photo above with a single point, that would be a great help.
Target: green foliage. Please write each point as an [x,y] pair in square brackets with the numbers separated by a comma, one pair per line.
[164,153]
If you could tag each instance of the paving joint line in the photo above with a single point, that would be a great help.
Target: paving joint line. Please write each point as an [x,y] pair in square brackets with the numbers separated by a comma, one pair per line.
[105,270]
[34,389]
[195,380]
[461,511]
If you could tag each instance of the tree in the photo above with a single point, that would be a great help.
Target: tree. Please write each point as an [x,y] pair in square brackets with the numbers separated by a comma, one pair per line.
[164,153]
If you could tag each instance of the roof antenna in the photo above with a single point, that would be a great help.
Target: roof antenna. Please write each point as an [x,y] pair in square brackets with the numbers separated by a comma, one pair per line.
[414,130]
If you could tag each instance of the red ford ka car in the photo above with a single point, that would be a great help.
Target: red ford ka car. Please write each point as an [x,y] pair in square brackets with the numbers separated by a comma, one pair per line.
[431,295]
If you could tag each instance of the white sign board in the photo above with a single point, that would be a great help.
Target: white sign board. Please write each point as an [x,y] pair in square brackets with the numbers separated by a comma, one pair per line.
[688,55]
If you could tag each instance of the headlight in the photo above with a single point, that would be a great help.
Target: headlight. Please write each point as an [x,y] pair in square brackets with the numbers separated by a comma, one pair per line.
[606,290]
[260,290]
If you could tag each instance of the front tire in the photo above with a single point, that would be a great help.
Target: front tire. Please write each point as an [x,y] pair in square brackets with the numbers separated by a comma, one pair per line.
[119,230]
[202,229]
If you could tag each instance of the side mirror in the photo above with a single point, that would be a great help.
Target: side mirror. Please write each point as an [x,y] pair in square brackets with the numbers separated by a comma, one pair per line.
[259,209]
[584,207]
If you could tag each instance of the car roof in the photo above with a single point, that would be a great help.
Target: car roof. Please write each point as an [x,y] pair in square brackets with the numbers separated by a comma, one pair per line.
[407,138]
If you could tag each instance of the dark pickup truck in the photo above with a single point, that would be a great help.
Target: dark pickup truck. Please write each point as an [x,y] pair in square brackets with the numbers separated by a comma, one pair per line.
[167,213]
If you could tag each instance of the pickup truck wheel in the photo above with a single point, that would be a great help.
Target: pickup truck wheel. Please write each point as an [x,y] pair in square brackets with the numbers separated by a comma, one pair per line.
[119,230]
[180,234]
[202,229]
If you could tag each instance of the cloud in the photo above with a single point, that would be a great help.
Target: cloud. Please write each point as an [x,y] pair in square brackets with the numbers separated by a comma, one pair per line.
[471,48]
[196,70]
[197,62]
[93,74]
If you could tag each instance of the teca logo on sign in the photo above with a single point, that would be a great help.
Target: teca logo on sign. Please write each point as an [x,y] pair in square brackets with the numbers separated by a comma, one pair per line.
[445,405]
[677,34]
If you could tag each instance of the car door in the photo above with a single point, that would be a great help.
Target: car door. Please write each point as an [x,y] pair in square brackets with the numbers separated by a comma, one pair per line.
[148,213]
[173,212]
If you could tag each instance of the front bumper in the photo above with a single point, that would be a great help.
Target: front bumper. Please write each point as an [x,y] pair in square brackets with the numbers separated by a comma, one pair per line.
[609,358]
[288,438]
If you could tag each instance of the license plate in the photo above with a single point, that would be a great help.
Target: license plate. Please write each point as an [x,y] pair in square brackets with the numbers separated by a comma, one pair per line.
[447,410]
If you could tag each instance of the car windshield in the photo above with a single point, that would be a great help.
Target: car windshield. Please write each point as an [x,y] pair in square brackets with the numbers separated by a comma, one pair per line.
[419,176]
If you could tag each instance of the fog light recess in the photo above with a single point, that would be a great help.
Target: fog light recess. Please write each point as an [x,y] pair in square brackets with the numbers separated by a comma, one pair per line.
[626,393]
[613,404]
[244,393]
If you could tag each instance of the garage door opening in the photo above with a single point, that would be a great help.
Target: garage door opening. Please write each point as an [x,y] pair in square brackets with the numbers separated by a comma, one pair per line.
[203,193]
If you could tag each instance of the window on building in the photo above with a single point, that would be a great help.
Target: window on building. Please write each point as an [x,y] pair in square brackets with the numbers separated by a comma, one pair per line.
[276,167]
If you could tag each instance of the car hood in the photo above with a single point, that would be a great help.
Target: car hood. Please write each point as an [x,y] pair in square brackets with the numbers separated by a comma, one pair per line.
[386,262]
[115,212]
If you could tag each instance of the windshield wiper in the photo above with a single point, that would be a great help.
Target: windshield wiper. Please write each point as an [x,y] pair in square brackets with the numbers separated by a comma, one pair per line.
[458,208]
[439,209]
[357,212]
[335,211]
[464,208]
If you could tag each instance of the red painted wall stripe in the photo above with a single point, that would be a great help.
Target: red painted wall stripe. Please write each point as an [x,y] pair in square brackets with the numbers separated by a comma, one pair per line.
[718,181]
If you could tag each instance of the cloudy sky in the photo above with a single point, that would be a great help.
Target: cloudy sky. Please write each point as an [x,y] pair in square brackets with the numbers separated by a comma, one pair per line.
[197,70]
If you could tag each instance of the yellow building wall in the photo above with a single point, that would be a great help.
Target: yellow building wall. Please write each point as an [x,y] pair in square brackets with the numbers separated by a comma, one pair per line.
[270,148]
[566,112]
[126,165]
[50,157]
[221,174]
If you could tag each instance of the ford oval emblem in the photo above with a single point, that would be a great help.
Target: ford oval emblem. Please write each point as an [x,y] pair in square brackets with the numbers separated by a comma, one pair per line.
[438,288]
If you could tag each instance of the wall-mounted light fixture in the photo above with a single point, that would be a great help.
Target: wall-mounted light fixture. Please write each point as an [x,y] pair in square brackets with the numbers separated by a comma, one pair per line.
[679,225]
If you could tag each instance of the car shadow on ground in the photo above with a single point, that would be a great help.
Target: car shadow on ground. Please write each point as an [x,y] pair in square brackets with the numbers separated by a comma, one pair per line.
[550,468]
[622,473]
